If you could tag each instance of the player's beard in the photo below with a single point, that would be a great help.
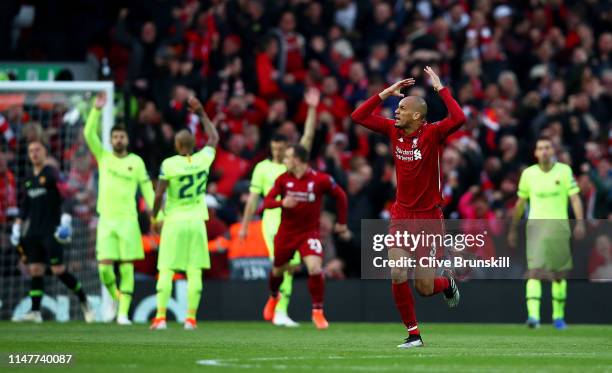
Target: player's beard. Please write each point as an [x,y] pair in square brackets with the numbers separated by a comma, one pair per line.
[119,148]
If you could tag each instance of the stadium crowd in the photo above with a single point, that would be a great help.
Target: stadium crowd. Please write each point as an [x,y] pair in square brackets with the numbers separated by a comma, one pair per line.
[519,69]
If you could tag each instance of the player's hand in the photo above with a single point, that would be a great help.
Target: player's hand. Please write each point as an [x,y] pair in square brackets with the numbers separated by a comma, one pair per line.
[63,232]
[512,238]
[312,97]
[579,230]
[15,234]
[100,100]
[195,106]
[396,88]
[243,232]
[343,232]
[435,79]
[289,202]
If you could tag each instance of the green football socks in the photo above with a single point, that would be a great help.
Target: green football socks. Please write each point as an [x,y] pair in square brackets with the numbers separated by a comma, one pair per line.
[194,291]
[285,290]
[533,294]
[559,293]
[126,270]
[164,290]
[107,277]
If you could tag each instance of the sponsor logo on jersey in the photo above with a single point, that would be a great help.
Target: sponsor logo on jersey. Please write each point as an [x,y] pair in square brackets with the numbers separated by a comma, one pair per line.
[36,192]
[408,155]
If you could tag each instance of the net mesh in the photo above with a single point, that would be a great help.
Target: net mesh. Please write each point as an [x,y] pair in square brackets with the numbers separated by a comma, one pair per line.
[58,119]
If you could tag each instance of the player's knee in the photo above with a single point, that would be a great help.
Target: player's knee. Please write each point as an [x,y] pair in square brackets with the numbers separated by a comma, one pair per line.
[424,288]
[398,275]
[277,271]
[58,269]
[314,270]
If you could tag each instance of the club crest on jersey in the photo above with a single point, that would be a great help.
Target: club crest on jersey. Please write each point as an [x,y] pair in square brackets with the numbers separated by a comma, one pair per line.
[42,180]
[414,142]
[129,168]
[290,184]
[557,182]
[401,139]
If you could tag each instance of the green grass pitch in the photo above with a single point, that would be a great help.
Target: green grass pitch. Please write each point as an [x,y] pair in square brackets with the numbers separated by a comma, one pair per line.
[344,347]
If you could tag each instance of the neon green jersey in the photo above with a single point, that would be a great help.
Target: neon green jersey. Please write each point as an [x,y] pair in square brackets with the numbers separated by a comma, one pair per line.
[187,177]
[264,175]
[547,192]
[119,178]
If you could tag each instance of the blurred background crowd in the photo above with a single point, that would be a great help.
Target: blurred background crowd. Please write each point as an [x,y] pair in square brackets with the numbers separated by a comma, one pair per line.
[519,69]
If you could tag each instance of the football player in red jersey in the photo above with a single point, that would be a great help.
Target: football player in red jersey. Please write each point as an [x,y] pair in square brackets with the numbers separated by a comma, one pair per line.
[416,147]
[302,190]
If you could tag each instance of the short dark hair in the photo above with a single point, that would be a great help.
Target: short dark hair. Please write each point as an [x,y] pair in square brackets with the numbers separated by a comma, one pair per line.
[278,137]
[119,127]
[300,152]
[543,138]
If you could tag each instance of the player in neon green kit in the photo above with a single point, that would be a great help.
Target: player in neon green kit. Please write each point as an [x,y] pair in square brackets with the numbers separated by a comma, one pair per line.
[118,236]
[264,175]
[184,243]
[547,185]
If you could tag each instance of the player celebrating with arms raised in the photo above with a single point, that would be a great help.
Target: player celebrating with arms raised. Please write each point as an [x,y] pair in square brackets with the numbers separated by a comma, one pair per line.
[118,237]
[46,230]
[302,190]
[184,246]
[547,186]
[417,146]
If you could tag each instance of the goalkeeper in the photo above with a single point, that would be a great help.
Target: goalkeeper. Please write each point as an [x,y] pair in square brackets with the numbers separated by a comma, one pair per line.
[118,237]
[547,186]
[184,246]
[45,231]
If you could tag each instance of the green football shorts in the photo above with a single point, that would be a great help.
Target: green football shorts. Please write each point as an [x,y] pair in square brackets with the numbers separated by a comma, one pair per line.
[548,245]
[119,239]
[183,245]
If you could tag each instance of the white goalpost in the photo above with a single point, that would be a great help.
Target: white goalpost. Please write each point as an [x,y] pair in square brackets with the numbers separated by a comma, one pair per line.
[55,111]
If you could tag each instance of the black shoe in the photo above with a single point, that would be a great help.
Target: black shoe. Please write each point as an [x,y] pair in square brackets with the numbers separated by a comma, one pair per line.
[413,340]
[451,294]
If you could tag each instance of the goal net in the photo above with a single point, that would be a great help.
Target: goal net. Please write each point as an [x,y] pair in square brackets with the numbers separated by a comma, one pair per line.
[54,112]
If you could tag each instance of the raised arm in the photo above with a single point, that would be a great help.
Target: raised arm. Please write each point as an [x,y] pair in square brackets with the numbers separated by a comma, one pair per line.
[311,97]
[455,117]
[90,132]
[363,114]
[195,106]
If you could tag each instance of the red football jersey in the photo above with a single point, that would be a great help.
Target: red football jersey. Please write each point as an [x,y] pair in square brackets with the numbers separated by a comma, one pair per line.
[417,155]
[308,191]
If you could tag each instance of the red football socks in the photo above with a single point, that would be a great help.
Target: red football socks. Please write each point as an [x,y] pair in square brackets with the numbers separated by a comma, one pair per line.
[316,287]
[404,301]
[440,284]
[275,283]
